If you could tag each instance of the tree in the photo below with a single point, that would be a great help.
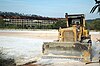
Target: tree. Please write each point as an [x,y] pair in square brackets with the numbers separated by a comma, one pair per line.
[95,7]
[96,25]
[60,23]
[90,25]
[2,23]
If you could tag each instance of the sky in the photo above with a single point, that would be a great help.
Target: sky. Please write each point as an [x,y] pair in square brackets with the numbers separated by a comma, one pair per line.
[50,8]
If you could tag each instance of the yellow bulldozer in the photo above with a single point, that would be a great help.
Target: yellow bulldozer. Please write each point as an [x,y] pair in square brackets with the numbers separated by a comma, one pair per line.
[74,42]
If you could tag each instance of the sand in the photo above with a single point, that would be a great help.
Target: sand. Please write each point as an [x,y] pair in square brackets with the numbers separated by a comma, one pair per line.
[52,35]
[32,34]
[41,34]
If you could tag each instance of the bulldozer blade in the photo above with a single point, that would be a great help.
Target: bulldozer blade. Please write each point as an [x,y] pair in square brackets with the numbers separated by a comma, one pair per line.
[69,50]
[62,57]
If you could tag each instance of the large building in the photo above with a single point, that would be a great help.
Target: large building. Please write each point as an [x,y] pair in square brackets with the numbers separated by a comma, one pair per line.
[28,22]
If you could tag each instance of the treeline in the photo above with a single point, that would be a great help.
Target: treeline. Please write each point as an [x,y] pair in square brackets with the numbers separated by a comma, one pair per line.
[22,16]
[90,24]
[93,25]
[57,25]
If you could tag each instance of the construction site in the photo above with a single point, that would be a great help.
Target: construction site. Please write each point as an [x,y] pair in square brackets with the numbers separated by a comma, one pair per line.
[73,43]
[71,46]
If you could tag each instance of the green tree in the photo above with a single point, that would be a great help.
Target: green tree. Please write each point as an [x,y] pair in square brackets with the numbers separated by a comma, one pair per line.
[2,23]
[60,23]
[97,6]
[49,26]
[96,25]
[89,25]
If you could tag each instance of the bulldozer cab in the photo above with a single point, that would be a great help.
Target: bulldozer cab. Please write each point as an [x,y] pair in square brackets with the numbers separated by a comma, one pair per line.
[74,30]
[77,19]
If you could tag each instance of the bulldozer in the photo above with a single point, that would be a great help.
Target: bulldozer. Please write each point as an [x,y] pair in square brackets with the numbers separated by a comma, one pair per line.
[74,41]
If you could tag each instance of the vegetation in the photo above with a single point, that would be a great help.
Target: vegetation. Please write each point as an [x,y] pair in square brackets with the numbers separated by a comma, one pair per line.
[19,15]
[94,25]
[2,23]
[90,24]
[97,6]
[58,24]
[12,15]
[6,61]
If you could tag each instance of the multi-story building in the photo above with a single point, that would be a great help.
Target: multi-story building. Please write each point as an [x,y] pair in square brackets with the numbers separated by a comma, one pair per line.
[29,22]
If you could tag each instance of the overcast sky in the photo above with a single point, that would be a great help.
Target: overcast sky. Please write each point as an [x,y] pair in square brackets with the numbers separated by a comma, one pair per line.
[50,8]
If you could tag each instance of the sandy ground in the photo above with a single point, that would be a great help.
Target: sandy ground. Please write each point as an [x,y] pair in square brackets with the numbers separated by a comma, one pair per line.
[66,64]
[48,35]
[94,37]
[52,34]
[32,34]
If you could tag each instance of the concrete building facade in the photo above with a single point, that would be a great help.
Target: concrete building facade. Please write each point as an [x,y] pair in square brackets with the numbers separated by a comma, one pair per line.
[29,23]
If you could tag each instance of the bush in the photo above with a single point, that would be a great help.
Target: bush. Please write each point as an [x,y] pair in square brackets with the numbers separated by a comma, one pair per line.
[95,25]
[6,61]
[2,23]
[60,23]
